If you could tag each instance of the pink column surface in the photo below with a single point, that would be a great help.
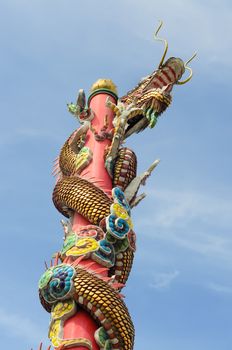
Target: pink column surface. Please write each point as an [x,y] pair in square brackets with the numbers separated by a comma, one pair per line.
[82,325]
[96,171]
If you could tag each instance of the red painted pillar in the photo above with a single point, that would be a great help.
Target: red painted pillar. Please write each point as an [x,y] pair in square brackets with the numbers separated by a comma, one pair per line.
[82,325]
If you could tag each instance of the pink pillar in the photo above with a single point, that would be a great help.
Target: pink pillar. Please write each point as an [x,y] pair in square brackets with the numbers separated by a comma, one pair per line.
[82,325]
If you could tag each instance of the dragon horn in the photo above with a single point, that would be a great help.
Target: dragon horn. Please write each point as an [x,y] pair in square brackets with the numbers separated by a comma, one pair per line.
[188,68]
[165,44]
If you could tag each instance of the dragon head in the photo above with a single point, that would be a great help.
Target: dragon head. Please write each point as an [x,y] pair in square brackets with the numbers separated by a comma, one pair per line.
[153,93]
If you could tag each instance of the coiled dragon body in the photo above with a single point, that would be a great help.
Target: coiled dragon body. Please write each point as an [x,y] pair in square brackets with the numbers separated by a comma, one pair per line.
[94,295]
[72,193]
[109,239]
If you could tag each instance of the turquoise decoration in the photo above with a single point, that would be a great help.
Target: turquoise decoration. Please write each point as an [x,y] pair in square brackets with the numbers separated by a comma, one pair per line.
[118,223]
[105,255]
[60,283]
[117,227]
[119,197]
[106,247]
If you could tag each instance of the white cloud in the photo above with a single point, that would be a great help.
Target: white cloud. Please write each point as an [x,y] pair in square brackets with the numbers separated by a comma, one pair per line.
[19,326]
[163,279]
[195,221]
[179,208]
[219,288]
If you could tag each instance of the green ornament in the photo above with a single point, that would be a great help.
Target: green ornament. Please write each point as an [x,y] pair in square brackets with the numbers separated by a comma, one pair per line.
[110,238]
[102,339]
[84,150]
[69,242]
[121,245]
[151,115]
[108,345]
[45,278]
[72,108]
[153,121]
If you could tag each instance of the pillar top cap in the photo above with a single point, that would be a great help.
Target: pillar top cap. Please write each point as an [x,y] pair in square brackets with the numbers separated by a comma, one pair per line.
[104,84]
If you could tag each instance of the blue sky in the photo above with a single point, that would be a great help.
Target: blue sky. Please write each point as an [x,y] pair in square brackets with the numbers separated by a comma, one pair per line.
[180,290]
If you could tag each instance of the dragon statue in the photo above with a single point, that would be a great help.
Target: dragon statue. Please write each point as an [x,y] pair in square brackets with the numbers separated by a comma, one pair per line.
[94,263]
